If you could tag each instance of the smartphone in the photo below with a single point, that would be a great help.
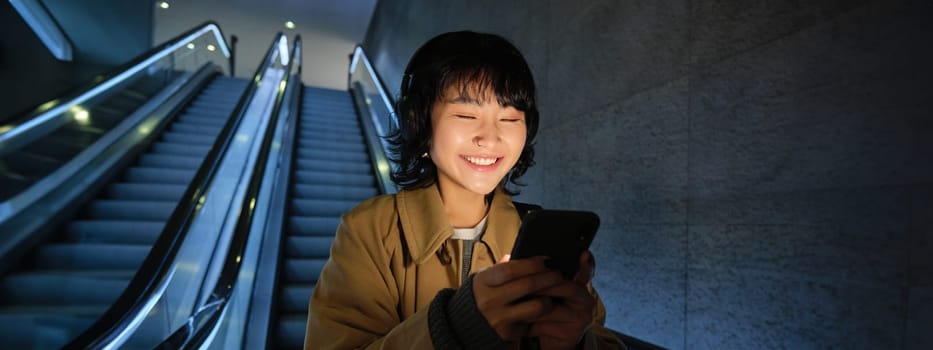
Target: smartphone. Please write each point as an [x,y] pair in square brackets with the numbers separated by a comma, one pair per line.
[561,235]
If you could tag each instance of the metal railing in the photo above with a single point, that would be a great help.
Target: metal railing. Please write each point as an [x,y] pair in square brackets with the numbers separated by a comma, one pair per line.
[220,320]
[376,110]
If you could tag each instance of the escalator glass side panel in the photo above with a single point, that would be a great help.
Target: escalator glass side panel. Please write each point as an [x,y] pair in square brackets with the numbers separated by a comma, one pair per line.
[80,118]
[65,283]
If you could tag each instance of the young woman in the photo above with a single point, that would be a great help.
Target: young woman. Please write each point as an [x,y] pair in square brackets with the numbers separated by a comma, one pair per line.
[428,267]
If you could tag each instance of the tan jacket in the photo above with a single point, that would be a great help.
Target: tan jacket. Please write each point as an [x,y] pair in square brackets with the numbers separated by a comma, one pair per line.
[384,270]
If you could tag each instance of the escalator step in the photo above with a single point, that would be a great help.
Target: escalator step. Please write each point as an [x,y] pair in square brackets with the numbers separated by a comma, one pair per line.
[336,166]
[45,329]
[53,288]
[193,139]
[313,226]
[294,297]
[321,207]
[333,155]
[291,331]
[196,119]
[180,149]
[145,191]
[333,192]
[157,175]
[308,246]
[126,232]
[330,145]
[313,134]
[90,256]
[331,128]
[170,161]
[311,119]
[208,111]
[303,270]
[329,178]
[123,210]
[196,129]
[315,121]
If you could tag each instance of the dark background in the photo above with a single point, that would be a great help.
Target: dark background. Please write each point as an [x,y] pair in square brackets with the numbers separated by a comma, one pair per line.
[762,169]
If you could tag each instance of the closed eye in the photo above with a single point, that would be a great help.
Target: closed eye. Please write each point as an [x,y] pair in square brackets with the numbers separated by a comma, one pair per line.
[510,120]
[462,116]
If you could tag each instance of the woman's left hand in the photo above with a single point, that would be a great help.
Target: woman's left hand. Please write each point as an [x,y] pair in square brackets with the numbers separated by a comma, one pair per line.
[568,321]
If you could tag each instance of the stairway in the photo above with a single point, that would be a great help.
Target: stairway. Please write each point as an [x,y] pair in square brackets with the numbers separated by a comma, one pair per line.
[64,285]
[332,173]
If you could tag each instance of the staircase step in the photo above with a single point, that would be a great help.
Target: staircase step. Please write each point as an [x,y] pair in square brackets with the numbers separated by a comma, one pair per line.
[294,297]
[332,145]
[334,165]
[329,178]
[329,136]
[157,175]
[321,207]
[169,161]
[192,139]
[39,329]
[55,288]
[125,232]
[123,210]
[90,256]
[313,226]
[308,246]
[303,270]
[146,191]
[290,333]
[180,149]
[357,193]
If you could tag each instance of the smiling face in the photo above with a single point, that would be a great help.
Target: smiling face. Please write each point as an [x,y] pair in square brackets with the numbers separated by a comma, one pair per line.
[475,142]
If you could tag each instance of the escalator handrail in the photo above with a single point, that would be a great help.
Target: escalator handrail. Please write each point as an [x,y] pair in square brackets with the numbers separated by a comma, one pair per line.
[142,288]
[202,323]
[376,143]
[47,111]
[360,55]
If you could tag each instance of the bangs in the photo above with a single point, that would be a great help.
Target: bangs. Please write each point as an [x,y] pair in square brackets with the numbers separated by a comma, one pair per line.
[511,86]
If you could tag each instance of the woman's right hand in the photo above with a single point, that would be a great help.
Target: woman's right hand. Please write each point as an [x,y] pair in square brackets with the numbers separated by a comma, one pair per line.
[497,288]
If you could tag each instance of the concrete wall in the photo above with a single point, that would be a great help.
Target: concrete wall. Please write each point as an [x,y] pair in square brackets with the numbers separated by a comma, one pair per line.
[763,169]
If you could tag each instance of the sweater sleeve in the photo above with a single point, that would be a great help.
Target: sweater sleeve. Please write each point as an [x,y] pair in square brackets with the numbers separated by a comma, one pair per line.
[456,323]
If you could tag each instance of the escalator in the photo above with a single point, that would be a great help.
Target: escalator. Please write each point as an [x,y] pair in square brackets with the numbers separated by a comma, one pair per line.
[24,167]
[63,285]
[331,174]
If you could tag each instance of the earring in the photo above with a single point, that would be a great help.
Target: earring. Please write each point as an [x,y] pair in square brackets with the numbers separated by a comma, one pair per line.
[425,155]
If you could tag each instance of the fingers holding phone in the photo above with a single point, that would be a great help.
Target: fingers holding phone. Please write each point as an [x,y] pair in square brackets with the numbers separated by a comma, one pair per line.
[497,288]
[569,318]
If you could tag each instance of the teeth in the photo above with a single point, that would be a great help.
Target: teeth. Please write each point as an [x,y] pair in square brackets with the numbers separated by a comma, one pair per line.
[481,161]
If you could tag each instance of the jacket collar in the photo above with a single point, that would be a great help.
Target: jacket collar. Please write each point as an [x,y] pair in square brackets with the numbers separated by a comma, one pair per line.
[426,227]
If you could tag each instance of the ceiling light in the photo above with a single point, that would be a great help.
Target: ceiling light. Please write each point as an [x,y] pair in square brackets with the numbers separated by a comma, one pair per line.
[163,5]
[190,46]
[211,47]
[290,25]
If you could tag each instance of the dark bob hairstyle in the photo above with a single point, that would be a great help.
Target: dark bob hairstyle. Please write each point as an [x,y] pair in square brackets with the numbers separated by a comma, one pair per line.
[472,63]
